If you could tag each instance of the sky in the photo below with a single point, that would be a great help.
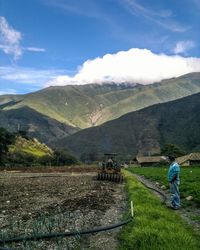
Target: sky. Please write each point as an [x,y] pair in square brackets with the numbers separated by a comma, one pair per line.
[59,42]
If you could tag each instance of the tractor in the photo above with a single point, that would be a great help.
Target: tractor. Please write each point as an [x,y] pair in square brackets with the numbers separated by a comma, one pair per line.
[109,169]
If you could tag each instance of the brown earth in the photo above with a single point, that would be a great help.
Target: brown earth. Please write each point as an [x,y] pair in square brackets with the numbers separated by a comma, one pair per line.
[42,169]
[59,202]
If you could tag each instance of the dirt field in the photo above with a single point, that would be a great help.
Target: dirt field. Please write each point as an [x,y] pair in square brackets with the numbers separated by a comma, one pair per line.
[59,202]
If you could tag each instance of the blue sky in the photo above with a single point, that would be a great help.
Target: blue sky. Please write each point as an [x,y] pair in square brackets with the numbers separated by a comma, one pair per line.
[46,42]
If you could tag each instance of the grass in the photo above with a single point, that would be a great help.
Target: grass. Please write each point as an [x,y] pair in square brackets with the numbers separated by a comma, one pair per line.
[196,218]
[189,180]
[30,146]
[34,151]
[154,226]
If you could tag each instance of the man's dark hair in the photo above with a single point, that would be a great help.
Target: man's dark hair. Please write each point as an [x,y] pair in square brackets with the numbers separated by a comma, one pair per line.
[171,157]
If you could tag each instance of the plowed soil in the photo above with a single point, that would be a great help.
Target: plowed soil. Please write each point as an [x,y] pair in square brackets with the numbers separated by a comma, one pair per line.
[59,202]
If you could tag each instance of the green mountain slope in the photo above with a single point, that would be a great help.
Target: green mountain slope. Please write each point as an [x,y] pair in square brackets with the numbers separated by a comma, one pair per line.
[35,124]
[5,99]
[93,104]
[142,132]
[75,105]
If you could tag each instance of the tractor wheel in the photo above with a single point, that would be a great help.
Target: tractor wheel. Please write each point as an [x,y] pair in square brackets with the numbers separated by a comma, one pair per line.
[111,177]
[107,176]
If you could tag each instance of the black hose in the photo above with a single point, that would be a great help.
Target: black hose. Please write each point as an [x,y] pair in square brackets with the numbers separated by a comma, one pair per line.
[156,190]
[66,234]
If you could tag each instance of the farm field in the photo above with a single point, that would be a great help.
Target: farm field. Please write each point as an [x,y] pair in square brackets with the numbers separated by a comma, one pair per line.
[154,226]
[33,203]
[36,202]
[189,180]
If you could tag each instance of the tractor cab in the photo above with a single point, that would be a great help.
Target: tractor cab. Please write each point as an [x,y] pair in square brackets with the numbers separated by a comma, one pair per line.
[110,169]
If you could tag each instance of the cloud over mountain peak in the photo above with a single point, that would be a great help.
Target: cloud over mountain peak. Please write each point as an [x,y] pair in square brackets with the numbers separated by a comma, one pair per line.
[132,66]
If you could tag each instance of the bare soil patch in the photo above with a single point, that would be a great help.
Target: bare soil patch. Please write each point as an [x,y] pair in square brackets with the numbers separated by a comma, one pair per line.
[71,201]
[53,169]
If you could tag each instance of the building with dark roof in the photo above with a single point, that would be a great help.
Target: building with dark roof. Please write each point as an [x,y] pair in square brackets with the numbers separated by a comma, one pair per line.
[147,161]
[189,160]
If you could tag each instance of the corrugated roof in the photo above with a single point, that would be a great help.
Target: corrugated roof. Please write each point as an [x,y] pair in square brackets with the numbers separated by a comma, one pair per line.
[189,157]
[149,159]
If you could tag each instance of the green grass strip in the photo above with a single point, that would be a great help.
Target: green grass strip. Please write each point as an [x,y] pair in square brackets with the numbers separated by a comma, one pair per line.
[189,179]
[154,227]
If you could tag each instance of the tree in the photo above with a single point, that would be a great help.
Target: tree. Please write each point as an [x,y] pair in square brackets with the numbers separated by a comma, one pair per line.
[61,158]
[6,139]
[23,134]
[20,158]
[172,149]
[46,160]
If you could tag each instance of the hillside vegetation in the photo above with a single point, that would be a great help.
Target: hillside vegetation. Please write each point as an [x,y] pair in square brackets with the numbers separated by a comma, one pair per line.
[93,104]
[142,132]
[30,146]
[20,150]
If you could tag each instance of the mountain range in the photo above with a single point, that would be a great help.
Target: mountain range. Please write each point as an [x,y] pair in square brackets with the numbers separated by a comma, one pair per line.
[142,132]
[83,106]
[125,118]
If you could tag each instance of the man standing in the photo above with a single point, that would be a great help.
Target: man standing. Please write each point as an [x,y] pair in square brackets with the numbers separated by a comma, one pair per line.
[174,181]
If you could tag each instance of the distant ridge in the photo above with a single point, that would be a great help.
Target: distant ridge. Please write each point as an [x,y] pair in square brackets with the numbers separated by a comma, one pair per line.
[89,105]
[35,124]
[142,132]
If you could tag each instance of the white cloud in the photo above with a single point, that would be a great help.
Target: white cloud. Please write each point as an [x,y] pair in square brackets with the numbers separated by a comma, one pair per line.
[162,17]
[10,41]
[30,76]
[183,46]
[8,92]
[35,49]
[132,66]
